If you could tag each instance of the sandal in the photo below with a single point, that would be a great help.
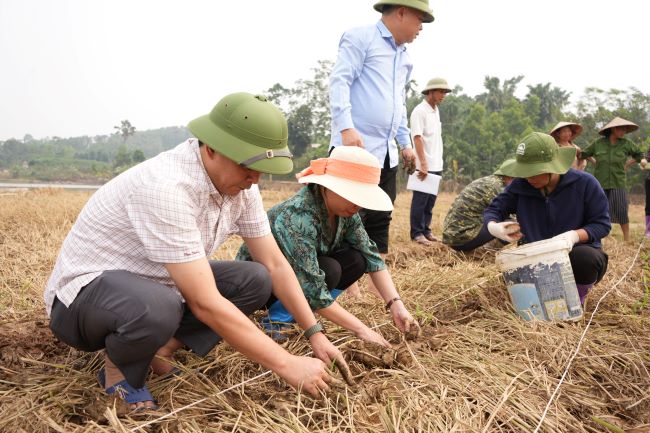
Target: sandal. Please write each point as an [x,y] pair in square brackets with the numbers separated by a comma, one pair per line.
[127,393]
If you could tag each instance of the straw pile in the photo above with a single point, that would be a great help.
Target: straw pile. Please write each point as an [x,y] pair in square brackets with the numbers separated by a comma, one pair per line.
[475,368]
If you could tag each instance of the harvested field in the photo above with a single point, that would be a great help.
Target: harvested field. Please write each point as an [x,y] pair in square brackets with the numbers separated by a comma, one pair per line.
[476,367]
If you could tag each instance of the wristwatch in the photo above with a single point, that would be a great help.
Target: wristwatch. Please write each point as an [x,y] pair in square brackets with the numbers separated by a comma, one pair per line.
[313,330]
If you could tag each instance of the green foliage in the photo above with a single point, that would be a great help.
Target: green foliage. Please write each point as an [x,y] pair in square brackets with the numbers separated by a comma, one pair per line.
[306,106]
[125,129]
[137,156]
[479,132]
[122,158]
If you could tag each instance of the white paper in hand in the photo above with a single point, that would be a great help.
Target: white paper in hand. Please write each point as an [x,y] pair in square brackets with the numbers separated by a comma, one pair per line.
[429,185]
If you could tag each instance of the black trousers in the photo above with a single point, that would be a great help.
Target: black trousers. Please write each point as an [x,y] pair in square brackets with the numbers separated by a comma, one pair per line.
[589,264]
[422,211]
[342,268]
[377,223]
[132,317]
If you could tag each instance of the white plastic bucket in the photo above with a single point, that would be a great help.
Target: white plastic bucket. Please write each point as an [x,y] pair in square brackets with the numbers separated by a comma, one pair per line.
[540,281]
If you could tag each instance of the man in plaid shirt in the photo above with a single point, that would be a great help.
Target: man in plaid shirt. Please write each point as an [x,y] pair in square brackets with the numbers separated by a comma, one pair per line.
[134,277]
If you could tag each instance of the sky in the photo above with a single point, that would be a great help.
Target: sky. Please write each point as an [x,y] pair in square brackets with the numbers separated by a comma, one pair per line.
[78,67]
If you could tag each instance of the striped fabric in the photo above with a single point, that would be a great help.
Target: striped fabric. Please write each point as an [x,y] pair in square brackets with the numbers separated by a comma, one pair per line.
[618,204]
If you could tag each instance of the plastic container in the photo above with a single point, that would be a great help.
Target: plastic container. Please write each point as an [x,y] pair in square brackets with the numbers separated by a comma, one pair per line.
[540,281]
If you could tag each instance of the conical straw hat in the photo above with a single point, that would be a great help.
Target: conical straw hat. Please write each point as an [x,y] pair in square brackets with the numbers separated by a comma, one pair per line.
[619,121]
[576,128]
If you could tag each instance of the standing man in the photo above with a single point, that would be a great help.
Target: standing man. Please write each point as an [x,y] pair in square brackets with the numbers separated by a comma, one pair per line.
[134,277]
[427,136]
[368,96]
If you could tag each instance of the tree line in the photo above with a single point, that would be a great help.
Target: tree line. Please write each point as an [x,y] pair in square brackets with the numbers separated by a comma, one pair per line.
[479,132]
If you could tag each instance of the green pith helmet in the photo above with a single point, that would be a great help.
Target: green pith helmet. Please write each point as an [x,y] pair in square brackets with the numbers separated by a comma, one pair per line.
[249,130]
[437,83]
[537,154]
[505,164]
[420,5]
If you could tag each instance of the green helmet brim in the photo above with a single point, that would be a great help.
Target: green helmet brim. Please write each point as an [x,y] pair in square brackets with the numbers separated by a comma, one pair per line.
[558,165]
[239,150]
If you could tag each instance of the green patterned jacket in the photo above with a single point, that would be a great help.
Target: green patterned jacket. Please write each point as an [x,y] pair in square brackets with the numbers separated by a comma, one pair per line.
[465,217]
[300,228]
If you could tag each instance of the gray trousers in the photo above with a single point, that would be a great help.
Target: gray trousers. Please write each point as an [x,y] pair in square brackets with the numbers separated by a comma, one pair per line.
[132,317]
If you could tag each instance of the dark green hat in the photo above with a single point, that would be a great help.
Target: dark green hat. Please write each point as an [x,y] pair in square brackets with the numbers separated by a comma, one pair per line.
[249,130]
[420,5]
[537,154]
[507,163]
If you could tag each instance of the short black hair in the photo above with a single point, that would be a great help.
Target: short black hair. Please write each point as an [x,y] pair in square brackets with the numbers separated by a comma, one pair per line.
[386,9]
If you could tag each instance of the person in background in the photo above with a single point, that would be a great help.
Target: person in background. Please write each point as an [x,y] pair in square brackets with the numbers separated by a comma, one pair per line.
[564,133]
[320,233]
[552,200]
[134,278]
[368,96]
[463,228]
[647,194]
[613,154]
[427,136]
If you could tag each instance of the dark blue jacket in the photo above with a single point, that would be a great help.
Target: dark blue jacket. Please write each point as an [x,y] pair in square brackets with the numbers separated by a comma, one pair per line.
[578,202]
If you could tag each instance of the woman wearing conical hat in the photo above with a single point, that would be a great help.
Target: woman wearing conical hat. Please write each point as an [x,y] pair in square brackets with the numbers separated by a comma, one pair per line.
[564,134]
[614,154]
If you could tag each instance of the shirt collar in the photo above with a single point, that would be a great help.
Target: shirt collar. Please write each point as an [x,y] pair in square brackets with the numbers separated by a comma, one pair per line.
[429,107]
[386,34]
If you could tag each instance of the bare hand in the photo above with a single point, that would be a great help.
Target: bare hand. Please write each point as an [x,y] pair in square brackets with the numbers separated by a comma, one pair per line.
[310,374]
[328,353]
[402,318]
[423,171]
[351,137]
[371,336]
[408,155]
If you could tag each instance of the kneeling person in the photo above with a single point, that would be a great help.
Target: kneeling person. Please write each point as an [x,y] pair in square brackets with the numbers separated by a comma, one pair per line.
[321,234]
[141,246]
[550,200]
[463,228]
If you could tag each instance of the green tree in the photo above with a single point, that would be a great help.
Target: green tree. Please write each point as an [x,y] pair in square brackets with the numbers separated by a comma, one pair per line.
[125,130]
[137,156]
[550,102]
[122,157]
[300,125]
[497,95]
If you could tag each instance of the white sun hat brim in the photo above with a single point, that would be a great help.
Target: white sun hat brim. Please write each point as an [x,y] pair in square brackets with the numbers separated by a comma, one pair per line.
[365,195]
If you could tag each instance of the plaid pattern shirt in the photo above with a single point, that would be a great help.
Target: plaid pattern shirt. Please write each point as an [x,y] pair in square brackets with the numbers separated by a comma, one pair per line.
[164,210]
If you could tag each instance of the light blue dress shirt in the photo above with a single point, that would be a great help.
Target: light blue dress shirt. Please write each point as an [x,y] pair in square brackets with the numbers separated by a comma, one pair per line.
[368,90]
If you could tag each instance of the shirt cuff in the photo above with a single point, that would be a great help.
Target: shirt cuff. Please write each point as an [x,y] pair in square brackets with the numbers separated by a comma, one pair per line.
[344,121]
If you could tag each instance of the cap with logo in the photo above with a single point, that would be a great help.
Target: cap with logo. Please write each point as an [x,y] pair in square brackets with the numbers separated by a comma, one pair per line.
[539,154]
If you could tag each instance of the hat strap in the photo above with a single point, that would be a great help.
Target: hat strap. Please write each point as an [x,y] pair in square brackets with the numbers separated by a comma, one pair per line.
[268,154]
[345,169]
